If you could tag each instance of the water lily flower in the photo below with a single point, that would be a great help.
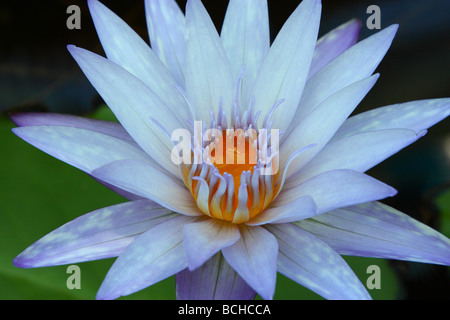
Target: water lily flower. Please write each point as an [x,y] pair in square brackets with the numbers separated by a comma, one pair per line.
[225,229]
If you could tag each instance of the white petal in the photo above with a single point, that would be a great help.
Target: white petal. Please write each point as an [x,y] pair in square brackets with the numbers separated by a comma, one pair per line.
[333,44]
[415,115]
[83,149]
[205,238]
[358,152]
[254,257]
[110,128]
[142,179]
[100,234]
[167,31]
[377,230]
[286,67]
[246,39]
[134,105]
[357,63]
[154,256]
[125,47]
[309,261]
[336,189]
[321,124]
[301,208]
[208,73]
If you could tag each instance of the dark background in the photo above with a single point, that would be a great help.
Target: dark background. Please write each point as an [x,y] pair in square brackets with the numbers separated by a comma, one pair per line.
[37,73]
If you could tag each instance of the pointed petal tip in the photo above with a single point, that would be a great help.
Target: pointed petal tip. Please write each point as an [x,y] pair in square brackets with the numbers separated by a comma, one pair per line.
[19,262]
[72,49]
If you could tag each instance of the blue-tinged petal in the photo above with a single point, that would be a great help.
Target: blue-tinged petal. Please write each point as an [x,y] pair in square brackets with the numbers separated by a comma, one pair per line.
[152,257]
[377,230]
[299,209]
[415,115]
[356,63]
[144,180]
[322,123]
[204,239]
[214,280]
[284,71]
[110,128]
[125,47]
[254,257]
[336,189]
[358,152]
[333,44]
[83,149]
[123,193]
[246,39]
[167,32]
[134,104]
[312,263]
[208,73]
[100,234]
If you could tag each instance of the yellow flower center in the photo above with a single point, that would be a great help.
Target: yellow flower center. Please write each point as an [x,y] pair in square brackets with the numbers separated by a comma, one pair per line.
[230,183]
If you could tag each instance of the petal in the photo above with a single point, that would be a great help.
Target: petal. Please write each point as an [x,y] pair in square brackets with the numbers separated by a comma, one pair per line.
[83,149]
[144,180]
[100,234]
[110,128]
[113,129]
[208,73]
[127,195]
[321,124]
[356,63]
[153,256]
[214,280]
[167,31]
[126,48]
[333,44]
[246,39]
[299,209]
[204,239]
[415,115]
[312,263]
[358,152]
[134,105]
[376,230]
[337,188]
[254,257]
[284,71]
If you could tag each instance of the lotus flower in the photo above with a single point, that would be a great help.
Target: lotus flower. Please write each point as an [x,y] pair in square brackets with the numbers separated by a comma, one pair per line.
[226,229]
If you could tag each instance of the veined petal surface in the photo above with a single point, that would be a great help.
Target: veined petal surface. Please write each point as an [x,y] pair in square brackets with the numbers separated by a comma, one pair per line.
[208,74]
[377,230]
[144,180]
[284,72]
[333,44]
[337,188]
[310,262]
[215,280]
[205,238]
[100,234]
[254,257]
[246,39]
[83,149]
[125,47]
[153,256]
[167,32]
